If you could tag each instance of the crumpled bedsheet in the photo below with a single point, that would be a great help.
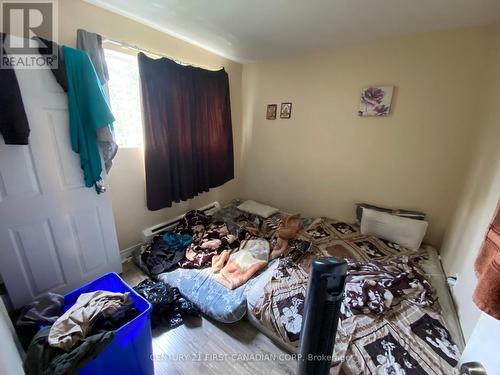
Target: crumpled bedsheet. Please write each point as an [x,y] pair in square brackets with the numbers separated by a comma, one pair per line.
[377,286]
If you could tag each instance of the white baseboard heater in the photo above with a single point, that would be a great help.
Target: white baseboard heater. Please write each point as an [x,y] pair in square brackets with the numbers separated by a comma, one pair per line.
[149,233]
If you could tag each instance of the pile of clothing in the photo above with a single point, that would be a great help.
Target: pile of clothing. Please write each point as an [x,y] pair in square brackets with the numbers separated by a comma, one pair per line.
[170,308]
[236,255]
[163,253]
[67,341]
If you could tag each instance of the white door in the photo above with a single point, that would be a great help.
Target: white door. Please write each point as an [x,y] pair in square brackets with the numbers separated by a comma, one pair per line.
[55,234]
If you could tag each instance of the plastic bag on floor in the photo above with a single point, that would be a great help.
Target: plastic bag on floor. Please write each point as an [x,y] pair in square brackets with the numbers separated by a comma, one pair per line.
[169,306]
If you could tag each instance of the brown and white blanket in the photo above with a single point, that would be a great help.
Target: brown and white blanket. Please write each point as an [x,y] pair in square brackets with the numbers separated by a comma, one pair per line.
[209,238]
[390,317]
[377,286]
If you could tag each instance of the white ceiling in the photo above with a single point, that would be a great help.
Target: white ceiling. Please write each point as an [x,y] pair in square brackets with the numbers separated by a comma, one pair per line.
[255,30]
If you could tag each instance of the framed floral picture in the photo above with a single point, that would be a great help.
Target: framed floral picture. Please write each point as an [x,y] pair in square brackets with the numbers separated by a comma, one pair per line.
[271,111]
[375,101]
[286,110]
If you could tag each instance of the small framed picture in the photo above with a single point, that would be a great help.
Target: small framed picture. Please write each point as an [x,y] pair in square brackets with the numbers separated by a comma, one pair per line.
[375,101]
[271,111]
[286,110]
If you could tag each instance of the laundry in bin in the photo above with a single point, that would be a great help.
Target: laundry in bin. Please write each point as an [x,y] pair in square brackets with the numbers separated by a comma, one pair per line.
[80,334]
[75,324]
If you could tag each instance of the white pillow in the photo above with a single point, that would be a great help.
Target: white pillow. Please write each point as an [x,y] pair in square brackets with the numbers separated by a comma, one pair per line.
[257,209]
[406,232]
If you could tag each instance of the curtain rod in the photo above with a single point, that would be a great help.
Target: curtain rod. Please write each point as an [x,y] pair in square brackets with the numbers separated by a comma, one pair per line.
[154,54]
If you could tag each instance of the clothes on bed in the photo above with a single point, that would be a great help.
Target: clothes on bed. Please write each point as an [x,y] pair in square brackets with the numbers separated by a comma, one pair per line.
[250,258]
[160,256]
[193,223]
[177,242]
[75,324]
[214,241]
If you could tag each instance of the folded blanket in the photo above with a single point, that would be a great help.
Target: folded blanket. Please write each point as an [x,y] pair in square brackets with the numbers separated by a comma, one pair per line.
[252,256]
[376,286]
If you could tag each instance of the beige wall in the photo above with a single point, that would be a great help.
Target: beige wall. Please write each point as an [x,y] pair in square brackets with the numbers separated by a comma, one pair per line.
[478,200]
[126,179]
[326,157]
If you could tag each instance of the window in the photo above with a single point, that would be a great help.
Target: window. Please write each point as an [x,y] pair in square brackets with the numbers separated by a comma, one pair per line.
[125,98]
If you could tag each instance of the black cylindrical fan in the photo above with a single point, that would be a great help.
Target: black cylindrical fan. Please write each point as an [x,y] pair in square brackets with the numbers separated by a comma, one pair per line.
[321,315]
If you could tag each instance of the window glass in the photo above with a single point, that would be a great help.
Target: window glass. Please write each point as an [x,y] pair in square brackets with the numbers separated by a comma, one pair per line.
[124,95]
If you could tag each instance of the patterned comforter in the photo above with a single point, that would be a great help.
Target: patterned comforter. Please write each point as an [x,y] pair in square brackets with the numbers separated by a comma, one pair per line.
[390,317]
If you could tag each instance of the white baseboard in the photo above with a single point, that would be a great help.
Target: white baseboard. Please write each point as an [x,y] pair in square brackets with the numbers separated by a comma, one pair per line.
[125,254]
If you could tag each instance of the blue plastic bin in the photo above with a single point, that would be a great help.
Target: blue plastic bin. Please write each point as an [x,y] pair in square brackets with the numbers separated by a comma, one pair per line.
[130,351]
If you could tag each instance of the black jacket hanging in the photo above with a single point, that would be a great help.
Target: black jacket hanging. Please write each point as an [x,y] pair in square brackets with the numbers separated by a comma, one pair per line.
[14,125]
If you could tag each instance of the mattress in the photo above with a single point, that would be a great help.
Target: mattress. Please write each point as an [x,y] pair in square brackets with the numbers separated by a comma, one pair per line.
[200,286]
[436,276]
[211,297]
[432,268]
[400,333]
[330,237]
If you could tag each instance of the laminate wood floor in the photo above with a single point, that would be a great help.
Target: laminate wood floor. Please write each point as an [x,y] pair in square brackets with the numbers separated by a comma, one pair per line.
[204,346]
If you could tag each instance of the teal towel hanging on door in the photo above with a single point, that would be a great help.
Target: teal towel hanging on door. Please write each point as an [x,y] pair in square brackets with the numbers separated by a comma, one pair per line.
[88,111]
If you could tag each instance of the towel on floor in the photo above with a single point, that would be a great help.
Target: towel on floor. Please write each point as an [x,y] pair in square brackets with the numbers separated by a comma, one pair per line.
[252,256]
[487,267]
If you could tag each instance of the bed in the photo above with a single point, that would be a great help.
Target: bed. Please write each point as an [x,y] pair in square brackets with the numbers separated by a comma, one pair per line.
[408,336]
[199,286]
